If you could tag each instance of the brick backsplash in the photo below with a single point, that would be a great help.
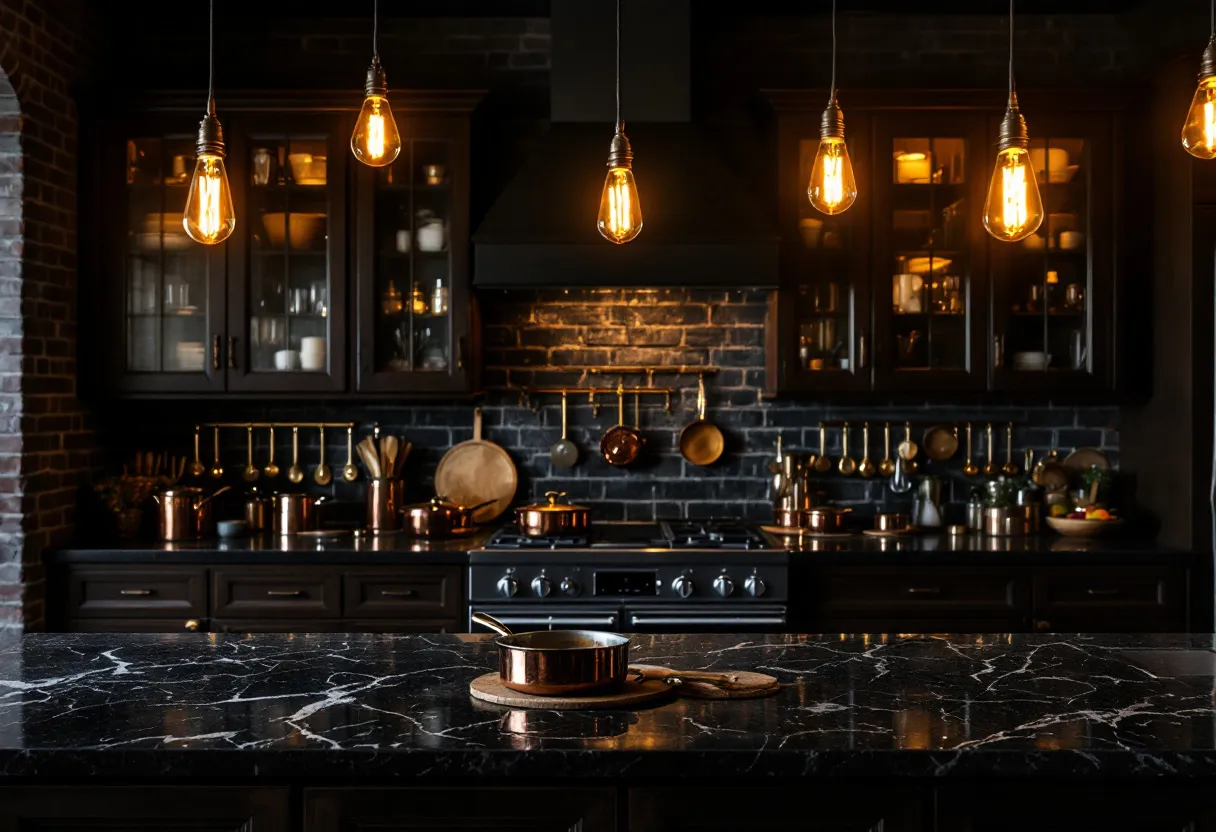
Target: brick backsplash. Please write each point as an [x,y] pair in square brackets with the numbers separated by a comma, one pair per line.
[550,338]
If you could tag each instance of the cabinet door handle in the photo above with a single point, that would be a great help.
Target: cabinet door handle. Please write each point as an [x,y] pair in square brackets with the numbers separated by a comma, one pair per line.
[998,351]
[460,353]
[924,590]
[231,353]
[1042,626]
[863,352]
[192,624]
[134,592]
[215,353]
[398,593]
[1102,592]
[285,593]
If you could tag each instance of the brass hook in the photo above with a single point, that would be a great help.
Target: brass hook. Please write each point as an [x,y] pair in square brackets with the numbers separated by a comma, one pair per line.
[667,402]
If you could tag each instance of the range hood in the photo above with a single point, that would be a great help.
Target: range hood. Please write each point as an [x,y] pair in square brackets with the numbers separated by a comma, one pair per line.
[701,225]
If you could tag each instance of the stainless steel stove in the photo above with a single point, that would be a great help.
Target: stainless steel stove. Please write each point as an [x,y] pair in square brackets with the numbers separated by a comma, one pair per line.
[669,576]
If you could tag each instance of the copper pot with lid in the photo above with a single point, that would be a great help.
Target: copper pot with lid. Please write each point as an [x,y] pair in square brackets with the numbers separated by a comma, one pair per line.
[440,517]
[826,519]
[185,513]
[552,517]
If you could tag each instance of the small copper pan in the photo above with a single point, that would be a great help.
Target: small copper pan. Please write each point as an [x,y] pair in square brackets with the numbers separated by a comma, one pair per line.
[558,662]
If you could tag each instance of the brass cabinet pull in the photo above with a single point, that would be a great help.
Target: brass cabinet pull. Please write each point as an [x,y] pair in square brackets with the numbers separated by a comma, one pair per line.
[215,353]
[192,624]
[460,353]
[1102,592]
[398,593]
[134,592]
[924,590]
[231,353]
[285,593]
[998,351]
[863,352]
[1042,626]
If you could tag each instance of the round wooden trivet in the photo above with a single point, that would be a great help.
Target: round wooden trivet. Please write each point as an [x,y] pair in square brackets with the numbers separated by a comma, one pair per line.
[490,688]
[751,685]
[784,532]
[904,533]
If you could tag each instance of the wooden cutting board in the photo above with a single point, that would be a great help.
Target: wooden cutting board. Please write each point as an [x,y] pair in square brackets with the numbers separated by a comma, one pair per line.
[489,688]
[747,685]
[476,471]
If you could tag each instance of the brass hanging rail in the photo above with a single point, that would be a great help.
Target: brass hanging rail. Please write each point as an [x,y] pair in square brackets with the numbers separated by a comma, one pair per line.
[635,370]
[277,425]
[526,394]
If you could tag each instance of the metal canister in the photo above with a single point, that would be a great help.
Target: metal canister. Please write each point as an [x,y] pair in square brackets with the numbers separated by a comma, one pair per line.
[257,513]
[184,514]
[1003,522]
[294,513]
[975,513]
[385,499]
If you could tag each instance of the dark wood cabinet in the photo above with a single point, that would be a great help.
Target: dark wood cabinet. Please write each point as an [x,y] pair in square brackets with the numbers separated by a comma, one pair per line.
[1120,599]
[967,313]
[841,808]
[1112,808]
[338,278]
[138,592]
[432,809]
[79,809]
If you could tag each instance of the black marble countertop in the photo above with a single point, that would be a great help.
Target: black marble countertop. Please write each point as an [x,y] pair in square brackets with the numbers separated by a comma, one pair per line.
[853,549]
[375,707]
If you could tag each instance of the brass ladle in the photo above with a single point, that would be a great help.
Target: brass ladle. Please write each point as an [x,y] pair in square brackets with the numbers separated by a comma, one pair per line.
[1011,468]
[866,467]
[251,472]
[349,472]
[824,463]
[847,464]
[907,449]
[887,466]
[969,467]
[217,470]
[295,474]
[197,468]
[323,475]
[991,469]
[272,468]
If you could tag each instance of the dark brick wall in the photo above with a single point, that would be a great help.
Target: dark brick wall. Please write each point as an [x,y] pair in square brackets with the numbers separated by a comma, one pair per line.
[547,338]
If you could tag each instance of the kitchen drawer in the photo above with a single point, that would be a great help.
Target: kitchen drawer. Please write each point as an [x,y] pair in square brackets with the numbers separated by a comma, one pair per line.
[144,592]
[137,625]
[300,592]
[411,592]
[878,592]
[1111,599]
[279,625]
[404,625]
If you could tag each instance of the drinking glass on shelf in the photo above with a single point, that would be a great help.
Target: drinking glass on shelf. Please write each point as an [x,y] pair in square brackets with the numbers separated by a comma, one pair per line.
[317,299]
[439,298]
[261,166]
[297,302]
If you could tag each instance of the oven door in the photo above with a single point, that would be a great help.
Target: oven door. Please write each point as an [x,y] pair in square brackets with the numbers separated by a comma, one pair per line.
[522,620]
[706,619]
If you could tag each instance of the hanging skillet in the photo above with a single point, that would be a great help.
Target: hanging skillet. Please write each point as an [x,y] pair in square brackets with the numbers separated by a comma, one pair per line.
[701,442]
[621,445]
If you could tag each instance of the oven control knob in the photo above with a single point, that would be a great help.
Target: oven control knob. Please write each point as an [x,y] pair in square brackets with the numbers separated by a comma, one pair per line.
[682,586]
[507,586]
[724,586]
[542,586]
[570,587]
[754,586]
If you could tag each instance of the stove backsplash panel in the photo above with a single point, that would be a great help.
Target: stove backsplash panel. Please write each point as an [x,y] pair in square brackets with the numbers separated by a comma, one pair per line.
[545,339]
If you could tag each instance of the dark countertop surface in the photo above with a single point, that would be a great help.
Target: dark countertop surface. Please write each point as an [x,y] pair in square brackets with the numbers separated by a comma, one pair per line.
[1045,549]
[367,707]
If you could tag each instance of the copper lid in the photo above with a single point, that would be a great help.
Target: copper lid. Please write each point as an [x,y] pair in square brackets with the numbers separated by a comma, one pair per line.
[553,505]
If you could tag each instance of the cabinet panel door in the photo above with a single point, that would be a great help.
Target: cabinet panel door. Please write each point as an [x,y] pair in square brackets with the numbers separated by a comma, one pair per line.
[925,592]
[1128,599]
[842,808]
[269,592]
[410,592]
[287,257]
[145,592]
[72,809]
[412,262]
[823,315]
[1110,808]
[930,174]
[531,809]
[1054,292]
[165,311]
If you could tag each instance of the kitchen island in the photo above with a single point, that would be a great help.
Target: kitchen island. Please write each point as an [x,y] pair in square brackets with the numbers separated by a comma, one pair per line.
[895,729]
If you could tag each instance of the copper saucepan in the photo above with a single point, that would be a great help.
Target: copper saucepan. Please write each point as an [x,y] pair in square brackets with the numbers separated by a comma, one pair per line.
[621,445]
[826,519]
[552,517]
[440,517]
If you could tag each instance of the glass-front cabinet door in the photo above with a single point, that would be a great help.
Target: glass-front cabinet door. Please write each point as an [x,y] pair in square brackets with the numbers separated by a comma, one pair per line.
[286,292]
[172,287]
[1054,289]
[929,255]
[824,303]
[411,255]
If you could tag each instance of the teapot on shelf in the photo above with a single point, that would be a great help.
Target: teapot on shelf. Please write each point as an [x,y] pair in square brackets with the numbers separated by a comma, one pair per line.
[431,231]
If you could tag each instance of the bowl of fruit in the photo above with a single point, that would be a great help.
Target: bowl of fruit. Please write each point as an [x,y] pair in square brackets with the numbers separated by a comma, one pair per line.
[1088,522]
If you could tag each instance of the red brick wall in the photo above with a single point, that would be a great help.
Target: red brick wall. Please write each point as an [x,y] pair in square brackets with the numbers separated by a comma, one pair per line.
[45,447]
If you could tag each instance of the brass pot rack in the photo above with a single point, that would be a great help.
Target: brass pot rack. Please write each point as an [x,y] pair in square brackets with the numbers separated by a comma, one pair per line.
[277,425]
[526,394]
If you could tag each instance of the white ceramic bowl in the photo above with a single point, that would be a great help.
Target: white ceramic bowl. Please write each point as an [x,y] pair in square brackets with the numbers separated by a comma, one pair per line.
[1082,528]
[307,169]
[305,228]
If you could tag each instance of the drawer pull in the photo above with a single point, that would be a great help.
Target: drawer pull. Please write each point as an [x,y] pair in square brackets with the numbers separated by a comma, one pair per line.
[398,593]
[924,590]
[141,592]
[1102,592]
[285,593]
[192,624]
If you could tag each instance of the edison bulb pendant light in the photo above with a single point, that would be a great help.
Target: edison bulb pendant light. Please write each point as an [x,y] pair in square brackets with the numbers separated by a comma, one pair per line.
[375,140]
[620,216]
[1013,209]
[1199,129]
[832,188]
[208,216]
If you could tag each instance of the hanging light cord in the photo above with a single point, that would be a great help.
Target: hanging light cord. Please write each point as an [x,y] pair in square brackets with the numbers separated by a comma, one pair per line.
[211,56]
[618,62]
[1011,46]
[1212,17]
[832,97]
[376,30]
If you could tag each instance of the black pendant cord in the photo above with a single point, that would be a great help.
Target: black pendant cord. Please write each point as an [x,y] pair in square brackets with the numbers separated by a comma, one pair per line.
[376,30]
[618,64]
[1011,85]
[211,57]
[832,96]
[1212,19]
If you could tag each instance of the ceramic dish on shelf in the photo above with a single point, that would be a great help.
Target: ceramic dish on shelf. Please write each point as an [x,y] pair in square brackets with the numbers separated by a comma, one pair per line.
[921,265]
[1082,459]
[304,228]
[307,169]
[1082,528]
[176,241]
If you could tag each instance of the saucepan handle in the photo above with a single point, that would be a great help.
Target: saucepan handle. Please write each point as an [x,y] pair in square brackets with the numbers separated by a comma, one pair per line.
[491,622]
[722,681]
